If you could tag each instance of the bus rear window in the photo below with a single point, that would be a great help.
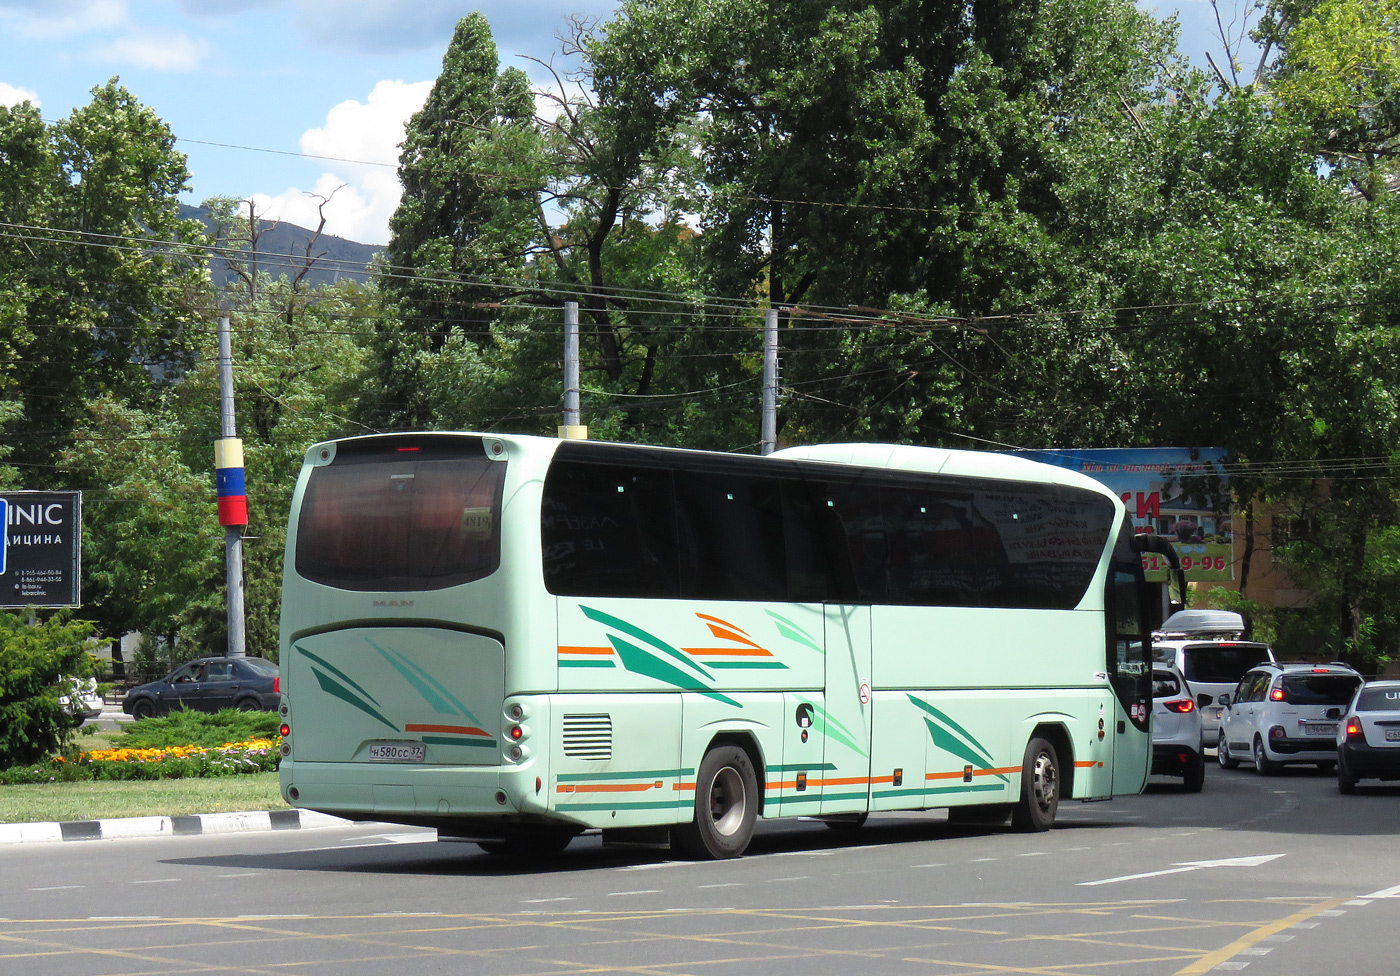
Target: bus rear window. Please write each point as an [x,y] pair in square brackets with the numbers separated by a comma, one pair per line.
[394,516]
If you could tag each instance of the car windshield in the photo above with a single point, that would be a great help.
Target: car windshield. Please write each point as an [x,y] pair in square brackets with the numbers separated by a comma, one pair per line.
[1164,684]
[1222,663]
[1379,700]
[1318,689]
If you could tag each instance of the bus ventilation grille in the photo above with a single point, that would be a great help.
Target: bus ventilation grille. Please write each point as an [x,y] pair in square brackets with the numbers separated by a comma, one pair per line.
[588,736]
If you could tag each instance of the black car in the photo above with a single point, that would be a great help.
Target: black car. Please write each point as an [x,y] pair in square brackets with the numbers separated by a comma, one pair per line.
[208,684]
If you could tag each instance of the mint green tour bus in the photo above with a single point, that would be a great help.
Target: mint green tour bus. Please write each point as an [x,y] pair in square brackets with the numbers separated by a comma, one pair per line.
[515,640]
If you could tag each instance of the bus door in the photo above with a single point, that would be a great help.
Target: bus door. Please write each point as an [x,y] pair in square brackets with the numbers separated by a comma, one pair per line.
[846,721]
[1129,663]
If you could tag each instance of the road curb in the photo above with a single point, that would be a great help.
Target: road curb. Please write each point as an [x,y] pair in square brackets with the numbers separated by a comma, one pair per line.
[204,823]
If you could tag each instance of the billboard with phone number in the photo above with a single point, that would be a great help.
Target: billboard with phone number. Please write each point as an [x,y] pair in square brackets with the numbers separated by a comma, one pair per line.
[42,548]
[1180,493]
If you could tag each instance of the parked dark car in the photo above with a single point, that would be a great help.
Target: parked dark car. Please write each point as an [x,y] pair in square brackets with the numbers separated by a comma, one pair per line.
[208,684]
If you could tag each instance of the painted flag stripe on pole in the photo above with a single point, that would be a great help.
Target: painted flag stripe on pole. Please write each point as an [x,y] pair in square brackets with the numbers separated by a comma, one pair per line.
[228,482]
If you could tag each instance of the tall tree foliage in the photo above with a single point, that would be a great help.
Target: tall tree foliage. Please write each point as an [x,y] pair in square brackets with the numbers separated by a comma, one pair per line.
[471,170]
[97,291]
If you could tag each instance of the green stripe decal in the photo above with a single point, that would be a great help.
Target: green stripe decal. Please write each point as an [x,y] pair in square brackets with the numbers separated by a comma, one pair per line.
[793,632]
[587,664]
[747,665]
[336,671]
[658,805]
[639,774]
[633,631]
[433,691]
[335,688]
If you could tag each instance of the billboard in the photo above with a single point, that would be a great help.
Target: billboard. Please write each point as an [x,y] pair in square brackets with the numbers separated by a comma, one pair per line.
[1182,494]
[42,548]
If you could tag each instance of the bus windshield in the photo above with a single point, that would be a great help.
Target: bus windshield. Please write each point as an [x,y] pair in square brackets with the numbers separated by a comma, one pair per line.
[412,515]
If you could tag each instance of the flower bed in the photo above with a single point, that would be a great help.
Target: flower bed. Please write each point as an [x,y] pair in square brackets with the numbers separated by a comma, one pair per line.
[169,762]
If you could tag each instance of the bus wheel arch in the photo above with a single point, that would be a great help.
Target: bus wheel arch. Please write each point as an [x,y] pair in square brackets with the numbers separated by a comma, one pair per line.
[728,799]
[1046,775]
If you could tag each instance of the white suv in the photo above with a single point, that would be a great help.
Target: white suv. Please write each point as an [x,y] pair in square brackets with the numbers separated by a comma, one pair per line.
[1176,729]
[1285,713]
[1206,647]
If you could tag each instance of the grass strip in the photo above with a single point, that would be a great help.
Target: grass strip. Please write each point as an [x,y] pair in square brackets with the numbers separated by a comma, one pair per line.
[100,800]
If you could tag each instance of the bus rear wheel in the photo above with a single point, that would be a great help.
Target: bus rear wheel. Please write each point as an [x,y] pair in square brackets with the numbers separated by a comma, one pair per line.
[726,806]
[1040,788]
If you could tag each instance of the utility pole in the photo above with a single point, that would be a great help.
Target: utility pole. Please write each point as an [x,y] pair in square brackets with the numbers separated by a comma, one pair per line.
[768,427]
[232,494]
[571,429]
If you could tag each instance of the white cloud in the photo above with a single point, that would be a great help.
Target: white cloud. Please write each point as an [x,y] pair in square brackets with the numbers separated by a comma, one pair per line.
[11,96]
[159,49]
[359,146]
[60,18]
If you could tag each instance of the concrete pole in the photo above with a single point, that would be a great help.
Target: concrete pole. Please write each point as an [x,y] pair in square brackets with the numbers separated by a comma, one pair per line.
[571,428]
[768,427]
[233,498]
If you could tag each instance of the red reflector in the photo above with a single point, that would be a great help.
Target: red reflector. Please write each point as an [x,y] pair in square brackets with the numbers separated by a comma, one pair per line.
[405,449]
[277,685]
[285,730]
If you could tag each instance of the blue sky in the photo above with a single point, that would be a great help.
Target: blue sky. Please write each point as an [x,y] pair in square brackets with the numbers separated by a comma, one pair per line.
[291,79]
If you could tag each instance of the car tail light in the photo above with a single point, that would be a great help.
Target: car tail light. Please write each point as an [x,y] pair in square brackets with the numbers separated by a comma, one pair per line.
[1276,694]
[1278,732]
[1181,705]
[1354,731]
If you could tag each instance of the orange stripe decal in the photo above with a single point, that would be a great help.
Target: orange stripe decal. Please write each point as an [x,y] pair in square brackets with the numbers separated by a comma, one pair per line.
[1088,764]
[460,729]
[608,787]
[727,651]
[585,650]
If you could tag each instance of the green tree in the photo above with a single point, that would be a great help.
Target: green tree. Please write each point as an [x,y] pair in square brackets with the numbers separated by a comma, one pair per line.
[33,656]
[97,286]
[471,170]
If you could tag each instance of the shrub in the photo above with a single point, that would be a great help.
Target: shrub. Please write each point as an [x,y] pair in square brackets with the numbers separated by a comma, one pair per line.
[190,728]
[33,725]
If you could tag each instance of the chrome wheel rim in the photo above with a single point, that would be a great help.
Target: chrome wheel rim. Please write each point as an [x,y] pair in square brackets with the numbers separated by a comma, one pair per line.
[727,801]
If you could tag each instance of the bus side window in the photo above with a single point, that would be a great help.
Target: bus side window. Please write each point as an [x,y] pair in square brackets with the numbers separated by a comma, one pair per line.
[852,532]
[609,530]
[731,532]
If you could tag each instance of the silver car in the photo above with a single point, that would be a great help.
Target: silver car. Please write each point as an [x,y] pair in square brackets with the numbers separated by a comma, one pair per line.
[1176,729]
[1286,713]
[1368,739]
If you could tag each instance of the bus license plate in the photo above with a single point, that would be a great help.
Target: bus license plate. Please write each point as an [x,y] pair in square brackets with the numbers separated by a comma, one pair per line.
[1319,729]
[413,752]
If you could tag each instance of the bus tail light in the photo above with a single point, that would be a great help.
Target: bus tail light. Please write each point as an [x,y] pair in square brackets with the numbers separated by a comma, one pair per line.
[1182,706]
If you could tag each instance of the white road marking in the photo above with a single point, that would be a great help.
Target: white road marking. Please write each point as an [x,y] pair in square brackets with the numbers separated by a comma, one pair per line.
[541,901]
[58,888]
[1385,893]
[155,881]
[644,891]
[1183,866]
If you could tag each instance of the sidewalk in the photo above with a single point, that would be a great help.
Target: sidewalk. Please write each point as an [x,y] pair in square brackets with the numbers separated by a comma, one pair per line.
[126,827]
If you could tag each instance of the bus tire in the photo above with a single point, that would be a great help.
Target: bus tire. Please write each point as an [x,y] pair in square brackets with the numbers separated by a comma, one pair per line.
[1040,788]
[726,806]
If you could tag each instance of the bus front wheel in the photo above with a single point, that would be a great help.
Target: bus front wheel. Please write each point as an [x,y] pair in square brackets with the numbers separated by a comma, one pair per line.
[1040,788]
[726,806]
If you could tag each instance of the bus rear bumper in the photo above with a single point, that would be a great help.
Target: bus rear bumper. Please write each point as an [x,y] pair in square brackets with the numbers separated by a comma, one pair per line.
[422,795]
